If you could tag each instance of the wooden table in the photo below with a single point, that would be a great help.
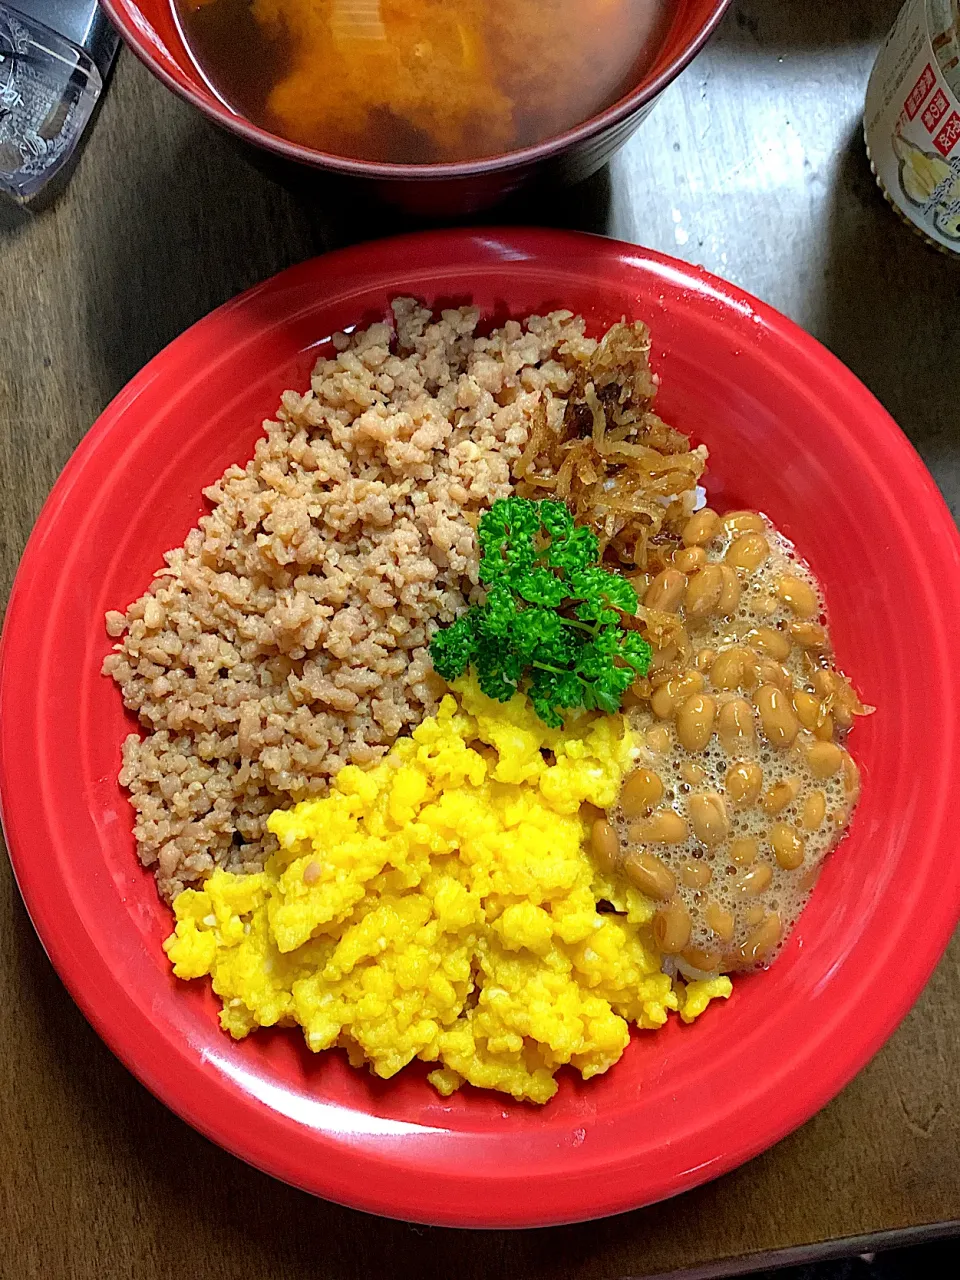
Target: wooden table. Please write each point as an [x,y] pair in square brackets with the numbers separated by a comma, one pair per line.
[752,165]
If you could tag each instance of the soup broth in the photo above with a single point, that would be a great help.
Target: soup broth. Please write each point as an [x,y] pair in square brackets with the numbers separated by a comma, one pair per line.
[422,81]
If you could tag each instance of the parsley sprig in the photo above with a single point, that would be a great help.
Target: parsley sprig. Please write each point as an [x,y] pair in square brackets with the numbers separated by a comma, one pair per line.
[550,624]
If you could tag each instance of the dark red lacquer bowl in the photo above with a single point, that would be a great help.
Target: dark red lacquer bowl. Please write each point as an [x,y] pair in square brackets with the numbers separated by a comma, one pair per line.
[440,190]
[790,431]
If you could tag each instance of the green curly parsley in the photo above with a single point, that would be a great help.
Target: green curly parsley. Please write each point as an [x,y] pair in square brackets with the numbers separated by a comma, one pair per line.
[550,624]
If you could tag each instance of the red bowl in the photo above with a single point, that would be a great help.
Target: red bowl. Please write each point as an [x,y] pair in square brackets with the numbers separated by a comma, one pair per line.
[441,190]
[791,431]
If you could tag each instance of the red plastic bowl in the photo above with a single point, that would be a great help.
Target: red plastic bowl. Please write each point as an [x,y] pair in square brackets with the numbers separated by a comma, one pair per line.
[150,29]
[792,432]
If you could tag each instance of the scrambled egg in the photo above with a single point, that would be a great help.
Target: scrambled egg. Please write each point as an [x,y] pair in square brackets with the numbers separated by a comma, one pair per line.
[442,905]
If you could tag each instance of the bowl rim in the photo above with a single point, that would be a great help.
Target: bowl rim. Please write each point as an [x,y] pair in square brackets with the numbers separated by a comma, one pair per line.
[140,38]
[365,1179]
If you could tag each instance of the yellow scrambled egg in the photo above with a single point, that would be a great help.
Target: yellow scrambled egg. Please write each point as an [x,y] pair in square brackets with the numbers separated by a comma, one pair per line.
[442,905]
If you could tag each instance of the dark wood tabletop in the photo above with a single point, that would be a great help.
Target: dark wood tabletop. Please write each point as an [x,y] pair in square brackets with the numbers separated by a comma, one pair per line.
[752,165]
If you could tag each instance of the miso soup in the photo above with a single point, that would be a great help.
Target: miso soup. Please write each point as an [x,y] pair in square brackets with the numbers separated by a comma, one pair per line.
[422,81]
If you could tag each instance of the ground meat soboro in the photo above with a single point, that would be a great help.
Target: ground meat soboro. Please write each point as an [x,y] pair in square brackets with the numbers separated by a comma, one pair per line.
[288,636]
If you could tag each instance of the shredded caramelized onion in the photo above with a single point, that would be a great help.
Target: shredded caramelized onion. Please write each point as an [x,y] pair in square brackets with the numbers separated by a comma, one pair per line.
[615,463]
